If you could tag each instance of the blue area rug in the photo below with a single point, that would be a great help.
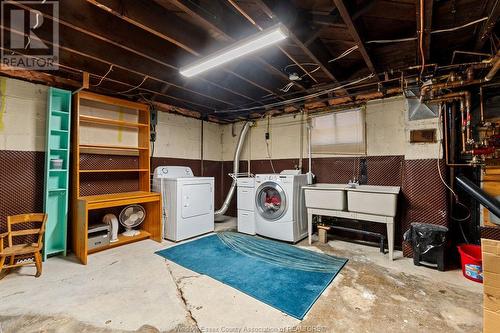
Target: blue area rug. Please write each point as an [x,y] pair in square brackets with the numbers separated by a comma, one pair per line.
[281,275]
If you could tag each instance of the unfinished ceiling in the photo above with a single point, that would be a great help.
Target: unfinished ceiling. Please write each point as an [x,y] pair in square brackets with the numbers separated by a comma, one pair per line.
[141,45]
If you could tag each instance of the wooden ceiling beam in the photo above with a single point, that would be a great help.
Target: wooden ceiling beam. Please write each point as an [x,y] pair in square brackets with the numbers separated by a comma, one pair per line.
[120,65]
[268,12]
[216,30]
[314,50]
[76,16]
[104,88]
[38,77]
[346,17]
[162,28]
[484,33]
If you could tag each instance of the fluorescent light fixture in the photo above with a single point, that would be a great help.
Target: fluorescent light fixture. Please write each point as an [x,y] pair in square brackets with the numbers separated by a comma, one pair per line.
[248,45]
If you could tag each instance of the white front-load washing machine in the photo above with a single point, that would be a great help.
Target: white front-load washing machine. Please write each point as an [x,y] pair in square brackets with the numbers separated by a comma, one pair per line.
[280,211]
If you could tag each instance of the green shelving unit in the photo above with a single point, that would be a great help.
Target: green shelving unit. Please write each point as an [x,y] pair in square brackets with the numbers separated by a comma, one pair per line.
[57,180]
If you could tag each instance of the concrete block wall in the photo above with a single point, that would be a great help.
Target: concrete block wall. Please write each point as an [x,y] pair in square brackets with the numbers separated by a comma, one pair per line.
[387,134]
[22,143]
[23,111]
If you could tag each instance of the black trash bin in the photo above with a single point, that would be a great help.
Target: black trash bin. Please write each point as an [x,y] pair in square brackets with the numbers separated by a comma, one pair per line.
[428,243]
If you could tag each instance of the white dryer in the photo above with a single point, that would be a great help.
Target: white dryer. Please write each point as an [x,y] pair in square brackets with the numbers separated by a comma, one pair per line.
[280,211]
[188,202]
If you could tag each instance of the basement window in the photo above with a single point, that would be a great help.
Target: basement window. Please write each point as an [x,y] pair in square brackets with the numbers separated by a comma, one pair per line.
[340,133]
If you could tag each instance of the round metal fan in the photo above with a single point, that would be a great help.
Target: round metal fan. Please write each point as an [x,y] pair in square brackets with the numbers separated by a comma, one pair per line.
[130,217]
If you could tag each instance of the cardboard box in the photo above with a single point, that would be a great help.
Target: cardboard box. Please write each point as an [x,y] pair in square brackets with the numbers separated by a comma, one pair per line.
[491,299]
[491,322]
[491,283]
[491,263]
[491,279]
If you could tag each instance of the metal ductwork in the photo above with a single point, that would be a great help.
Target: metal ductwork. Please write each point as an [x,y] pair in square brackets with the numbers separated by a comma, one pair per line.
[236,168]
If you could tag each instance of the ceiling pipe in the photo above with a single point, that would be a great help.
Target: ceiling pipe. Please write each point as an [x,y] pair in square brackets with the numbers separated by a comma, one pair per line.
[496,66]
[464,97]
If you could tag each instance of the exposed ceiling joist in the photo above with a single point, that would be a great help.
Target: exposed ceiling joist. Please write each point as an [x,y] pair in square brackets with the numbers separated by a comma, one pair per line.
[81,17]
[63,82]
[344,13]
[194,12]
[71,55]
[162,27]
[314,56]
[254,23]
[487,27]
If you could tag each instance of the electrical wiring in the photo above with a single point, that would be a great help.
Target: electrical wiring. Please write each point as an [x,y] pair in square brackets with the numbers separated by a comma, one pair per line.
[133,88]
[103,77]
[383,41]
[301,98]
[460,27]
[407,39]
[267,144]
[345,53]
[290,84]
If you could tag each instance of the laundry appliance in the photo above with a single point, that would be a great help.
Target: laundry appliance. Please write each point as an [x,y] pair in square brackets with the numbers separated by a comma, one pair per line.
[280,211]
[187,201]
[245,205]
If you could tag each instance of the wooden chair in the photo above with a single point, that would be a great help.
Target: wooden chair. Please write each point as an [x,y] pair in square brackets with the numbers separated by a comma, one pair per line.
[26,250]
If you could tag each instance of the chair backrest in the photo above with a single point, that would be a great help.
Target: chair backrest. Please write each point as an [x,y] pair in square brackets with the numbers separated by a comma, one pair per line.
[37,219]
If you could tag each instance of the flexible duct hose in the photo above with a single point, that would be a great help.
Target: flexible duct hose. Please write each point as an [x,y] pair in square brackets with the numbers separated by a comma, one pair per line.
[236,168]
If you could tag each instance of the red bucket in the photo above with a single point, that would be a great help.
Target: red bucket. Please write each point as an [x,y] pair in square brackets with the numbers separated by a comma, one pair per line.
[472,263]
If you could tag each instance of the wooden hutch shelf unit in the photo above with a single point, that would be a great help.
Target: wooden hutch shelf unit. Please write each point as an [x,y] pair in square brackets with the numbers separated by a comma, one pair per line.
[83,205]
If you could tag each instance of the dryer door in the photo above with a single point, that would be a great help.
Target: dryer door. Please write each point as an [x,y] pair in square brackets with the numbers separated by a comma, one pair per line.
[270,201]
[196,199]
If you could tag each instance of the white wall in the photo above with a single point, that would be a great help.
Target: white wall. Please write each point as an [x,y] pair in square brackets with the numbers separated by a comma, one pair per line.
[23,116]
[23,108]
[387,130]
[387,133]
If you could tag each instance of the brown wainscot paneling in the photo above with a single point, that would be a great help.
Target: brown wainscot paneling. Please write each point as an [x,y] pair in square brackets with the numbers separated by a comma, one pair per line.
[21,183]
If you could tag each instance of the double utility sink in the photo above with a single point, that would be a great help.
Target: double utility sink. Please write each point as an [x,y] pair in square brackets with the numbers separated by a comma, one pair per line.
[360,202]
[368,199]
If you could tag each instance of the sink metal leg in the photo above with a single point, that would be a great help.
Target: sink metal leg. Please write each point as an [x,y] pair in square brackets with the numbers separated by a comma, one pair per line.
[390,240]
[309,227]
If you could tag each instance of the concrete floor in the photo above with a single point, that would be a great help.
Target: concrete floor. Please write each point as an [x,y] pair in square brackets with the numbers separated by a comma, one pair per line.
[131,289]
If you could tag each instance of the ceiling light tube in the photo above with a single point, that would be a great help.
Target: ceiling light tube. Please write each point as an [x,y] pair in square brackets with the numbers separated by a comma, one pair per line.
[248,45]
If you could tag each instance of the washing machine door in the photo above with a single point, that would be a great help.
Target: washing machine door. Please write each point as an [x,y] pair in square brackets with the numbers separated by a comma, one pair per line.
[270,201]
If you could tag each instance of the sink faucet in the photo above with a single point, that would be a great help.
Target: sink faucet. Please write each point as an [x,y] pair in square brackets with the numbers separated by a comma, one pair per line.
[353,183]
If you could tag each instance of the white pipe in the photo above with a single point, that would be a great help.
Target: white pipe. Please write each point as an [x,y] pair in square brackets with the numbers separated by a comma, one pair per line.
[236,168]
[309,152]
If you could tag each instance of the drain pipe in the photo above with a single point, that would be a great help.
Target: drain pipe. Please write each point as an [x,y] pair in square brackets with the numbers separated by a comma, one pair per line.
[236,168]
[310,175]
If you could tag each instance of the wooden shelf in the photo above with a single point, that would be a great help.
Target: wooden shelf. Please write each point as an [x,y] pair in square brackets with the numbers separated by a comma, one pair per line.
[110,147]
[60,113]
[57,190]
[122,240]
[112,122]
[114,170]
[84,205]
[87,95]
